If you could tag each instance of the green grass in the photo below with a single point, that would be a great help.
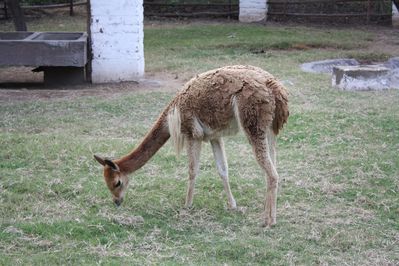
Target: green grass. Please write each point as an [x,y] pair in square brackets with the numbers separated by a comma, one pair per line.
[194,46]
[338,196]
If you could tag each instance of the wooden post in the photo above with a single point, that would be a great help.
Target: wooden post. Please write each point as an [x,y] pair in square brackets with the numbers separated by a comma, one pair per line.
[71,7]
[368,11]
[89,50]
[230,9]
[17,15]
[5,10]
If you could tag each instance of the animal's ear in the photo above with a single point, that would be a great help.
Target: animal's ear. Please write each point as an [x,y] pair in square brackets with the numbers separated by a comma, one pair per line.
[99,159]
[111,164]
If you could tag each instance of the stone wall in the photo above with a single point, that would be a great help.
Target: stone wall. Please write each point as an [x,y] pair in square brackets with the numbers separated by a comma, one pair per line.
[116,32]
[253,10]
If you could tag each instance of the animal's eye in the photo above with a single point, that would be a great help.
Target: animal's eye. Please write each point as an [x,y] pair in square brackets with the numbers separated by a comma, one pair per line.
[119,183]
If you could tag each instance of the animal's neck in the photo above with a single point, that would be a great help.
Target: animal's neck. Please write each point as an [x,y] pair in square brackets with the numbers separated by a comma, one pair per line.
[151,143]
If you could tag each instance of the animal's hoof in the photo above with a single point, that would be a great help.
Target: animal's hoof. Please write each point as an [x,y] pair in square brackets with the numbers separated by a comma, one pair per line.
[188,207]
[232,205]
[269,223]
[266,225]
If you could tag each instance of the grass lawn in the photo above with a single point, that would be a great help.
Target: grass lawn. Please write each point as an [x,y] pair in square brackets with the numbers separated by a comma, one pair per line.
[338,161]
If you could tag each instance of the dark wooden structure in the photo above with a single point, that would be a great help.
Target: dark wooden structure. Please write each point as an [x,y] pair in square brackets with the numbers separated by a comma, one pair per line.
[3,10]
[17,15]
[165,8]
[6,14]
[332,11]
[319,11]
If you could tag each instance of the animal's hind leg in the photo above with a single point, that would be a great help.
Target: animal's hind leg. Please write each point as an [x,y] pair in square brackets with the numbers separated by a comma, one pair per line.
[261,148]
[193,152]
[222,166]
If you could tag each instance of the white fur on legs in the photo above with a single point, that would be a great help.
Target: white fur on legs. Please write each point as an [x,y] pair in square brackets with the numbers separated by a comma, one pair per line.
[193,153]
[221,165]
[271,141]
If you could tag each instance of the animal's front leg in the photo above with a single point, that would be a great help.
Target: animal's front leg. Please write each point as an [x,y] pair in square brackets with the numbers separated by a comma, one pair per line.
[193,152]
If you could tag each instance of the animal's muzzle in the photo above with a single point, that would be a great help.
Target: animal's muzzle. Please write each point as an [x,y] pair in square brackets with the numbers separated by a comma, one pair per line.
[118,202]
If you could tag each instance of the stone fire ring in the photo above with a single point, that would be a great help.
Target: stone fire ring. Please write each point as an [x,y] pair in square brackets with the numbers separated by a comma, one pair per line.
[348,74]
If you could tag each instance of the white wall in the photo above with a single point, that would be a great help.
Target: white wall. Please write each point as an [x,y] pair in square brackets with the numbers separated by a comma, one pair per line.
[252,10]
[117,40]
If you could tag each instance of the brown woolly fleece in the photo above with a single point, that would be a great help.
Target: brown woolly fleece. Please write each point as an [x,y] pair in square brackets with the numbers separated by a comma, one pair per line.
[214,101]
[261,101]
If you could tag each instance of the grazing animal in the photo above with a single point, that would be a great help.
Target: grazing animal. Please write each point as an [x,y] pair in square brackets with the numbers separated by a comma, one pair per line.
[212,105]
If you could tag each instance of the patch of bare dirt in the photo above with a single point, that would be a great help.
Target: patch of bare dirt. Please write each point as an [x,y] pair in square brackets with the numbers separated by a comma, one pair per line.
[387,41]
[20,84]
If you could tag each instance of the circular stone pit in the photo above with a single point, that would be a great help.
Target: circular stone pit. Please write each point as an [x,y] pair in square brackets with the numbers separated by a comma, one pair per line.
[348,74]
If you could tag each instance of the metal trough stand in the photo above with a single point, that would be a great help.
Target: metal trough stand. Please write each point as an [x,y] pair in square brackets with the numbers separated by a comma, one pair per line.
[61,55]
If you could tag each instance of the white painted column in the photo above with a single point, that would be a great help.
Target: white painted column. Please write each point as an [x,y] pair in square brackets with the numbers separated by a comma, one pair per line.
[253,10]
[117,40]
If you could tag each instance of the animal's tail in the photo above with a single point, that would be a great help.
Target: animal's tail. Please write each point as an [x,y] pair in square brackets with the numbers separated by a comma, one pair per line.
[281,112]
[174,124]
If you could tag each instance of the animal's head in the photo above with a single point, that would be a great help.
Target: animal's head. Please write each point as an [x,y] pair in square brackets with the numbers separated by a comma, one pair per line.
[116,181]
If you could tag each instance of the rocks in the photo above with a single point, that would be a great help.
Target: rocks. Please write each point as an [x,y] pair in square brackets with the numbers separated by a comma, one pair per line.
[392,63]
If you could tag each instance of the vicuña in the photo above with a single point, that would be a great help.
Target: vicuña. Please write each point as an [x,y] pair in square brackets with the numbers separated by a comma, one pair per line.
[212,105]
